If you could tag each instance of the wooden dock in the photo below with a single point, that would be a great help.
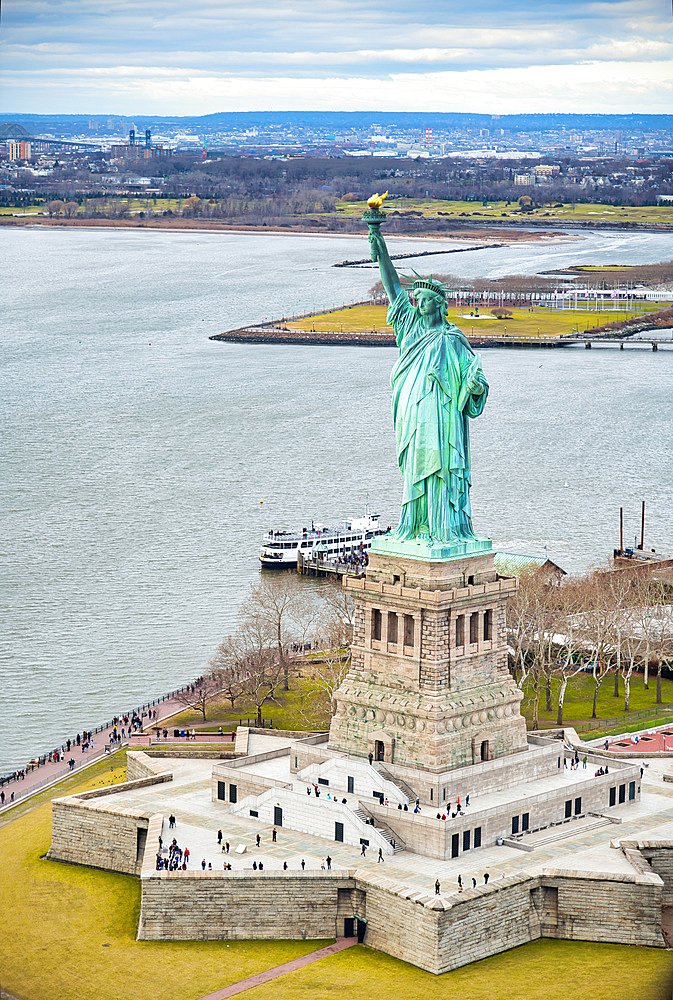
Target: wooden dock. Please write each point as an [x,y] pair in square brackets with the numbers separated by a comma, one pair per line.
[313,566]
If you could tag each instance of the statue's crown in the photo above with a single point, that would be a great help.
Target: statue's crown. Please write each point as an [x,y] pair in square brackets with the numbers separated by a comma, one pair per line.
[431,284]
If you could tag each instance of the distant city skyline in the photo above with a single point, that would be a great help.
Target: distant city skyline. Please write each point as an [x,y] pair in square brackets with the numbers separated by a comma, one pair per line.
[83,56]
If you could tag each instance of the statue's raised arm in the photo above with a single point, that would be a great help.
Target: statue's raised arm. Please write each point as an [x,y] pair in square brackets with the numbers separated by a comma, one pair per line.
[379,251]
[380,255]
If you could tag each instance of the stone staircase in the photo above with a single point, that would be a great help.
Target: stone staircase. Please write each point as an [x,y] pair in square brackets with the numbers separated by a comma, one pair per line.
[554,833]
[398,782]
[383,829]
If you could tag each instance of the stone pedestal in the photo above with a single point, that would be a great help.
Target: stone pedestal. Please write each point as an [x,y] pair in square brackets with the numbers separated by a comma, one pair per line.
[429,685]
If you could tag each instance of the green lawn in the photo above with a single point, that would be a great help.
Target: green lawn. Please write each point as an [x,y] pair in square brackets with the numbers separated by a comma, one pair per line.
[68,933]
[579,698]
[294,708]
[539,323]
[496,211]
[288,712]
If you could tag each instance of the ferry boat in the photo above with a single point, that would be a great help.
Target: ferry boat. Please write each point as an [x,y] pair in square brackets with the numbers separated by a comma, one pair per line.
[281,549]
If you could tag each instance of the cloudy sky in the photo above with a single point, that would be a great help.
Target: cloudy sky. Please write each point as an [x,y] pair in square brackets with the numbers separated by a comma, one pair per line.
[498,56]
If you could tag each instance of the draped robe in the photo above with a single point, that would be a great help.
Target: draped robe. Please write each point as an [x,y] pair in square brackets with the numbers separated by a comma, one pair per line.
[431,406]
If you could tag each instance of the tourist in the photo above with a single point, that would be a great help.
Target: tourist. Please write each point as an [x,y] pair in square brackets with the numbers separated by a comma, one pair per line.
[257,840]
[363,851]
[260,866]
[308,789]
[371,757]
[584,762]
[486,877]
[171,821]
[474,882]
[254,866]
[380,857]
[606,745]
[303,864]
[322,864]
[329,863]
[437,887]
[467,801]
[284,866]
[226,846]
[460,884]
[219,838]
[210,867]
[186,855]
[273,835]
[2,798]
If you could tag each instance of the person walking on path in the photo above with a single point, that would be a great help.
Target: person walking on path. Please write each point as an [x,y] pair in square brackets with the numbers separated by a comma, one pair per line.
[363,852]
[303,864]
[273,835]
[437,887]
[257,840]
[380,857]
[219,838]
[486,878]
[171,821]
[460,884]
[329,863]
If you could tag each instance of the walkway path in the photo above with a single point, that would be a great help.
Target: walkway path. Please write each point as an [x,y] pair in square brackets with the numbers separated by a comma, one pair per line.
[49,773]
[281,970]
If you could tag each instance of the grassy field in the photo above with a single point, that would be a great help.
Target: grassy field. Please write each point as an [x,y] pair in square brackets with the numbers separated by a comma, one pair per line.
[524,323]
[287,713]
[496,211]
[579,698]
[293,708]
[69,932]
[135,205]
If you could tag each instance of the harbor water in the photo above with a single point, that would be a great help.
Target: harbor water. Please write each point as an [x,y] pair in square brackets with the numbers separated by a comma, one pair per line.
[142,462]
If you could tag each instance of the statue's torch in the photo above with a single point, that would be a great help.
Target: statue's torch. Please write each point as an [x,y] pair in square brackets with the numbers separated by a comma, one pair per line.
[374,217]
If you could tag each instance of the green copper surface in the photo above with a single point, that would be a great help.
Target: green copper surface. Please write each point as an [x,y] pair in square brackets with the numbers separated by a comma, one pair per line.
[438,386]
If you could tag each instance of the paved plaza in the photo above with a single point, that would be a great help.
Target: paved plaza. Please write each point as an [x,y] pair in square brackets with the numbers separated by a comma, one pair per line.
[579,845]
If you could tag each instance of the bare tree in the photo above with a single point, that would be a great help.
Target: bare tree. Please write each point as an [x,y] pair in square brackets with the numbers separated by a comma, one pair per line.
[278,609]
[260,668]
[199,694]
[335,635]
[227,669]
[571,608]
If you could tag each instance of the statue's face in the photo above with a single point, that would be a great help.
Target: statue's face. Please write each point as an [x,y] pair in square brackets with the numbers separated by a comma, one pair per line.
[429,305]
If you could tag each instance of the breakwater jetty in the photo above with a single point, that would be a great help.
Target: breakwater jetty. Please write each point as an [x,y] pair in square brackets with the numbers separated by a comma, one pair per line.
[421,253]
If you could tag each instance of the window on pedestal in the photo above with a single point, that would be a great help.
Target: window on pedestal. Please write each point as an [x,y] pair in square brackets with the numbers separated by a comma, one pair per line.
[474,627]
[408,630]
[488,624]
[392,627]
[460,630]
[376,624]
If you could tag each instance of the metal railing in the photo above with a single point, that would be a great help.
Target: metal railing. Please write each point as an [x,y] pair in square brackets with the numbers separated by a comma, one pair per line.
[46,758]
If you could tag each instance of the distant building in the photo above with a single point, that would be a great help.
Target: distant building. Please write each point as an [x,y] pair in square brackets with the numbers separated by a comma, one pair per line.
[22,150]
[524,180]
[134,150]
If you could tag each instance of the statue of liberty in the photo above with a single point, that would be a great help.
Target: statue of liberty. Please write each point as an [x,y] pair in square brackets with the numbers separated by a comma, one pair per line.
[437,385]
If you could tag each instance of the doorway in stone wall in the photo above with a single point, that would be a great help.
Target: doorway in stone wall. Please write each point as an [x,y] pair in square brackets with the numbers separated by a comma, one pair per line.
[485,750]
[379,752]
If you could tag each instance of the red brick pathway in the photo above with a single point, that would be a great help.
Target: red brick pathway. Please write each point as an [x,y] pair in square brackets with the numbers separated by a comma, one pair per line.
[281,970]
